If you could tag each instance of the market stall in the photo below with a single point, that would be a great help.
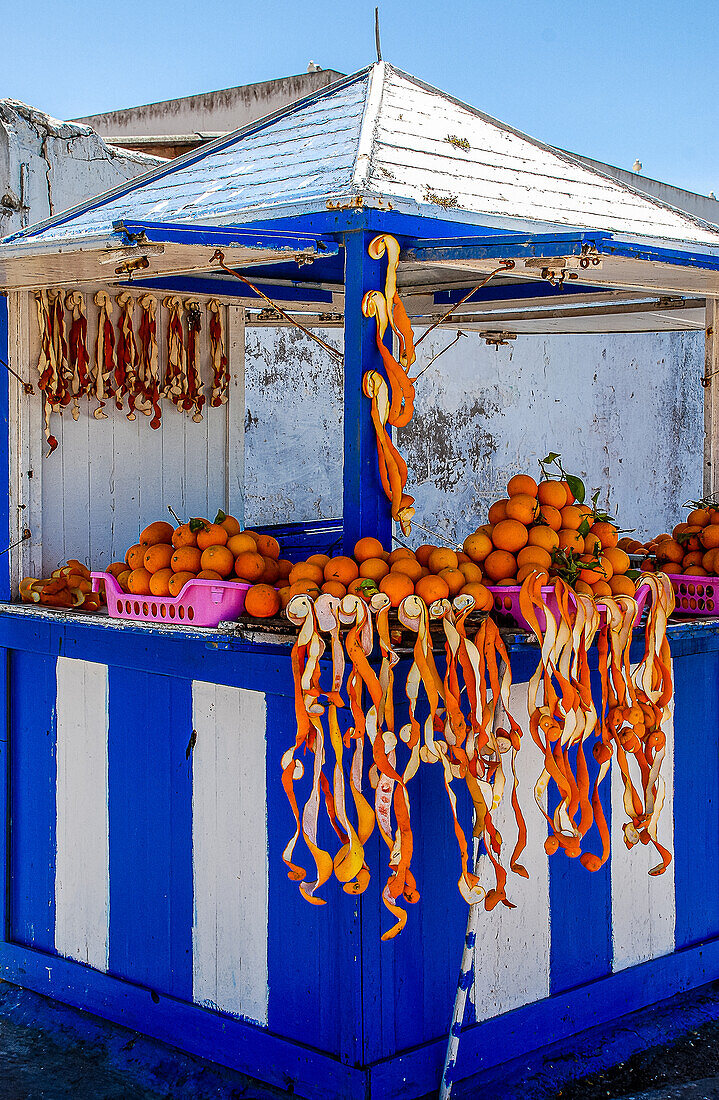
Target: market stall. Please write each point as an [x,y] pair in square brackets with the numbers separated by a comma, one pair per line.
[145,820]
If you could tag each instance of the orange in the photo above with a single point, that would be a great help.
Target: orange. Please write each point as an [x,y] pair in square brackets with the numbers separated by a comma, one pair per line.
[334,588]
[592,543]
[442,558]
[709,537]
[367,548]
[648,567]
[708,560]
[135,556]
[454,579]
[212,535]
[606,567]
[284,567]
[534,555]
[341,569]
[695,571]
[498,511]
[583,588]
[374,569]
[158,556]
[410,567]
[670,551]
[183,536]
[249,566]
[385,555]
[304,587]
[160,582]
[601,588]
[499,565]
[485,529]
[186,560]
[272,570]
[471,572]
[241,544]
[285,596]
[621,585]
[607,533]
[571,517]
[139,582]
[698,518]
[680,529]
[522,484]
[255,534]
[363,587]
[510,535]
[619,558]
[123,578]
[156,532]
[397,586]
[551,516]
[478,546]
[623,543]
[526,570]
[208,575]
[508,582]
[432,588]
[523,508]
[303,571]
[422,552]
[483,600]
[219,559]
[695,558]
[230,524]
[270,547]
[461,556]
[178,581]
[262,601]
[544,537]
[591,572]
[400,552]
[116,568]
[552,493]
[568,491]
[316,559]
[425,571]
[570,539]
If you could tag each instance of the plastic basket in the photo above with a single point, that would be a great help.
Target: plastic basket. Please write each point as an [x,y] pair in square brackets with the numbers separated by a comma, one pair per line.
[697,597]
[506,602]
[200,603]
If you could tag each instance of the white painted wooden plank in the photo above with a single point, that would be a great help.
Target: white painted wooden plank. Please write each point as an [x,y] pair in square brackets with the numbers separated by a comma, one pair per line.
[711,397]
[229,834]
[511,959]
[26,439]
[234,327]
[82,889]
[643,905]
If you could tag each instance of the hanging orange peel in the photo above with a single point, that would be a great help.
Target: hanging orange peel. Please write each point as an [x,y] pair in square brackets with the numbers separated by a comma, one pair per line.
[459,729]
[564,721]
[218,356]
[392,399]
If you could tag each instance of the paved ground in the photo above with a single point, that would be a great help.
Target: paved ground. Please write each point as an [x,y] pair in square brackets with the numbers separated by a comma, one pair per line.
[49,1052]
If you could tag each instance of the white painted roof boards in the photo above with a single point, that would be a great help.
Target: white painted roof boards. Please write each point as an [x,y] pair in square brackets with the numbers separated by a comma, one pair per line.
[389,138]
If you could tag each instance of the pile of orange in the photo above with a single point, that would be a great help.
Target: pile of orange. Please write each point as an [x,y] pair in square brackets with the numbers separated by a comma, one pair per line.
[432,572]
[540,527]
[165,558]
[69,587]
[692,547]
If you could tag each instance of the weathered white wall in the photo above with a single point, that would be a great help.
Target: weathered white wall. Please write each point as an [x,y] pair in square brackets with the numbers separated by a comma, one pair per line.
[624,410]
[47,166]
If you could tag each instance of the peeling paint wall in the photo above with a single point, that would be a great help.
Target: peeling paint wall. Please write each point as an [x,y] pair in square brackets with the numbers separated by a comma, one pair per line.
[47,166]
[624,410]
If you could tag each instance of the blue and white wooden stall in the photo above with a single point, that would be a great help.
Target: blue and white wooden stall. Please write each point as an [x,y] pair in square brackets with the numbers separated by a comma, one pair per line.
[141,810]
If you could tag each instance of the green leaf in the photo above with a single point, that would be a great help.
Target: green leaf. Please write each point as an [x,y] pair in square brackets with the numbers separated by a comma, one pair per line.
[196,525]
[634,574]
[583,528]
[221,516]
[551,457]
[577,487]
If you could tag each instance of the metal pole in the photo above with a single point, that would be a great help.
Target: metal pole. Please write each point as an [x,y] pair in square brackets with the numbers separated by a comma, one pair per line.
[467,964]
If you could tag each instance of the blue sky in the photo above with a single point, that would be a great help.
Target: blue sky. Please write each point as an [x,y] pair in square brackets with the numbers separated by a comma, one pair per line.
[613,79]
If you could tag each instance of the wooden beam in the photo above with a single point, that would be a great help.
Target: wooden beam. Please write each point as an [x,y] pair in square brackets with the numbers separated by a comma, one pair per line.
[710,383]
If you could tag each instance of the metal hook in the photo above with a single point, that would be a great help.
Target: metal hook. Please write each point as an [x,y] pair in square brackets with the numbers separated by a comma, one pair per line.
[435,357]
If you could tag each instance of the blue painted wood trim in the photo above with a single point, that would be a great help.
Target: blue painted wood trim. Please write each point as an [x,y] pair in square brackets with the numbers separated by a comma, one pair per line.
[365,508]
[197,1030]
[33,773]
[4,451]
[504,245]
[232,288]
[150,830]
[4,798]
[218,236]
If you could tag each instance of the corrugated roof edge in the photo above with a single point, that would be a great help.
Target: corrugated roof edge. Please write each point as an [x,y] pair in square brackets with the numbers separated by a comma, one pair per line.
[191,157]
[559,153]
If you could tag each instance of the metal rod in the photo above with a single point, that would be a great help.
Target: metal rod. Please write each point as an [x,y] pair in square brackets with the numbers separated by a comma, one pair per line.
[506,265]
[27,386]
[174,515]
[219,255]
[27,534]
[376,34]
[437,535]
[467,964]
[435,357]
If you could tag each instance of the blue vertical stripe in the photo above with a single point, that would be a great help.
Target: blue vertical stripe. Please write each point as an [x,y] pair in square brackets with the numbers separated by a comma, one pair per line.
[33,748]
[4,452]
[150,825]
[4,789]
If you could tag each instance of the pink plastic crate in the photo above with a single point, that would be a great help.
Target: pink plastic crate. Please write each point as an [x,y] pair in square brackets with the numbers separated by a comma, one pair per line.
[506,602]
[697,597]
[200,603]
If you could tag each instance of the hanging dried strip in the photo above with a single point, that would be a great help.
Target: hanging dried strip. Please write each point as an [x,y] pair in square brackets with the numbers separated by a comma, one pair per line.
[83,380]
[51,381]
[148,370]
[195,397]
[393,405]
[218,356]
[175,385]
[126,357]
[454,720]
[104,353]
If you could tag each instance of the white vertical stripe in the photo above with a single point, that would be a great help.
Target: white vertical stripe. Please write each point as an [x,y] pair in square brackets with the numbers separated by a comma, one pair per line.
[82,888]
[643,905]
[229,836]
[511,961]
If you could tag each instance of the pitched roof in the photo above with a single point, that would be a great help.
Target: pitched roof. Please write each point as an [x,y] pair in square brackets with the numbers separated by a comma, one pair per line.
[391,139]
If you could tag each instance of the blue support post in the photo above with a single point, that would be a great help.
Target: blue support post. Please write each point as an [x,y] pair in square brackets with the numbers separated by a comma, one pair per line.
[4,451]
[365,508]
